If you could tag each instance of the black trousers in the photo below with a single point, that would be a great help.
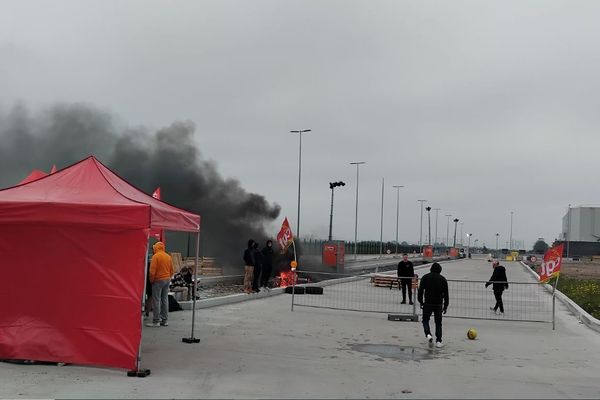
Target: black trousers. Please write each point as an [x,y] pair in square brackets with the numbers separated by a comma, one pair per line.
[406,283]
[436,310]
[256,278]
[265,275]
[499,304]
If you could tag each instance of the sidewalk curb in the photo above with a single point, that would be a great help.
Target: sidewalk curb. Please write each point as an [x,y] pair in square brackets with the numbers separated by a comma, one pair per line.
[582,315]
[230,299]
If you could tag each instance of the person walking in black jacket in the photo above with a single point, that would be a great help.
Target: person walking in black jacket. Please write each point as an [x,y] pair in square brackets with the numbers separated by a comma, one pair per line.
[267,263]
[249,266]
[433,298]
[257,267]
[405,273]
[499,283]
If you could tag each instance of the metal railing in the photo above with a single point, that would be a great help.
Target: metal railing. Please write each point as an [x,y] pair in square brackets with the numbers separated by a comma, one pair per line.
[523,301]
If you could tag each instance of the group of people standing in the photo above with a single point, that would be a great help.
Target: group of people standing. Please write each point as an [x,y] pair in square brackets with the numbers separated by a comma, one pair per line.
[258,265]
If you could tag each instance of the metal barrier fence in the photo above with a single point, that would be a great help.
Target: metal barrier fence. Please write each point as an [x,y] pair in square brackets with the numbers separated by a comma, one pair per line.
[523,301]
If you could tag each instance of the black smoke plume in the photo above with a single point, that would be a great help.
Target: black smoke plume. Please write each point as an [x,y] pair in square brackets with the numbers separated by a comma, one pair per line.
[168,158]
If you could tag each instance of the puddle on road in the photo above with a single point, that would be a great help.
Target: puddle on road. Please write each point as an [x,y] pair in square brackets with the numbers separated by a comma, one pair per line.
[404,353]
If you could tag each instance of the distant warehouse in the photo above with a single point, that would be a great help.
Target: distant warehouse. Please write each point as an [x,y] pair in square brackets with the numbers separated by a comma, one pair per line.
[581,231]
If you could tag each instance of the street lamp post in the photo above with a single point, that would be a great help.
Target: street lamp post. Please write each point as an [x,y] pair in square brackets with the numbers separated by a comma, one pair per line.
[461,234]
[429,224]
[397,211]
[568,229]
[455,222]
[358,163]
[448,229]
[299,132]
[497,236]
[435,238]
[511,226]
[333,185]
[381,230]
[469,245]
[421,228]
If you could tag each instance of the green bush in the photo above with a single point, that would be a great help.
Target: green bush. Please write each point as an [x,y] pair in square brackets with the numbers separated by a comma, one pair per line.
[585,292]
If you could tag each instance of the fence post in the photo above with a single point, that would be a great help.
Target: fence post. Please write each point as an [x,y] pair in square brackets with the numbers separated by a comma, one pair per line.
[293,286]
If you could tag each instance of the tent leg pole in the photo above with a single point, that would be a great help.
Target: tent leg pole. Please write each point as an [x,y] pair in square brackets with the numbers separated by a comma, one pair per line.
[139,372]
[192,339]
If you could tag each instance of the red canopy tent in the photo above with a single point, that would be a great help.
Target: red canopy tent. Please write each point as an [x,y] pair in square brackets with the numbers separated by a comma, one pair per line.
[73,264]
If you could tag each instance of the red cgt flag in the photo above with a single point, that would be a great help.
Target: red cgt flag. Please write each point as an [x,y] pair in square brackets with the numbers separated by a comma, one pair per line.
[551,264]
[285,236]
[158,234]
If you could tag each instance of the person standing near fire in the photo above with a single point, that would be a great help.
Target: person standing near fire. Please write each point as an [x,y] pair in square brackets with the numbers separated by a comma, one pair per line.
[267,267]
[406,273]
[258,263]
[249,266]
[161,272]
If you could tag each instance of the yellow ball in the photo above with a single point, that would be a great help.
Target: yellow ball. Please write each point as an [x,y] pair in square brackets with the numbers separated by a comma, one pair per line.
[472,333]
[294,264]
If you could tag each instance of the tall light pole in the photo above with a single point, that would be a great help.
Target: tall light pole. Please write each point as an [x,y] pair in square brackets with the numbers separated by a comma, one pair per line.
[429,224]
[511,226]
[455,222]
[397,211]
[421,230]
[299,132]
[461,234]
[568,229]
[447,229]
[357,163]
[333,185]
[469,245]
[497,236]
[435,239]
[381,231]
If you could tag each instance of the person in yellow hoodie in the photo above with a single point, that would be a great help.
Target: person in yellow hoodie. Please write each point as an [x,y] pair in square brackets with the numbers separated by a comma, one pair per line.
[161,271]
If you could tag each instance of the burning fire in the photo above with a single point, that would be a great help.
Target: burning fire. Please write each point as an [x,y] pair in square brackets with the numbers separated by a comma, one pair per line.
[286,278]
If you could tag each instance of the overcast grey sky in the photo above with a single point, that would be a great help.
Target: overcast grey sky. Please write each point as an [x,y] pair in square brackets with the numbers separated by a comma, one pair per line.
[480,107]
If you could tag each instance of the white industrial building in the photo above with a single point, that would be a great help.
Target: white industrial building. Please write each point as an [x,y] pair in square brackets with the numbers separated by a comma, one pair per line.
[581,224]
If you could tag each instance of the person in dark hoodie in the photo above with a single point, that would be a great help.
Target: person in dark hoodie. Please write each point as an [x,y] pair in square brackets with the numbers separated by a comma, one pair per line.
[433,298]
[499,283]
[249,266]
[267,263]
[406,272]
[257,267]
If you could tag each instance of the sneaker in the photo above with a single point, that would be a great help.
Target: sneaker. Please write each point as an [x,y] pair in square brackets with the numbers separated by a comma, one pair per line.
[430,340]
[411,303]
[153,324]
[403,302]
[164,323]
[439,345]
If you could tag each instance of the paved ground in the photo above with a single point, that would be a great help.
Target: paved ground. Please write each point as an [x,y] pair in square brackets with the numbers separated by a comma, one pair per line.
[261,349]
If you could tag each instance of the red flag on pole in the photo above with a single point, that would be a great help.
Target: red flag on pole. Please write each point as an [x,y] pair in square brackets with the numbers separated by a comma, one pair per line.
[285,236]
[551,264]
[158,234]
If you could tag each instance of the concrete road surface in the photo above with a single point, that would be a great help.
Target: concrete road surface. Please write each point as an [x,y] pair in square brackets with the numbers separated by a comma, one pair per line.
[259,349]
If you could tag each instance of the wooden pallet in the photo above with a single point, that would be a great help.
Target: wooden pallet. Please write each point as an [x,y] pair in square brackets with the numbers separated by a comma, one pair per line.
[384,281]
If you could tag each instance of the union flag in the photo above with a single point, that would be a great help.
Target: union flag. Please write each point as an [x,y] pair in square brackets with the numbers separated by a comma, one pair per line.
[285,236]
[551,264]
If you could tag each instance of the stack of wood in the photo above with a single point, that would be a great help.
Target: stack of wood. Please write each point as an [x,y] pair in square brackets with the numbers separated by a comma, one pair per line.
[177,261]
[384,280]
[207,266]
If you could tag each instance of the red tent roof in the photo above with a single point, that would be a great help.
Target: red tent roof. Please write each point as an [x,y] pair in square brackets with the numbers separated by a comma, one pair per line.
[33,176]
[89,193]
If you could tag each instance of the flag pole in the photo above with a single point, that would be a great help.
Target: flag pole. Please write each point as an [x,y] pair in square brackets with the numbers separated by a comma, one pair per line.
[293,270]
[554,303]
[192,339]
